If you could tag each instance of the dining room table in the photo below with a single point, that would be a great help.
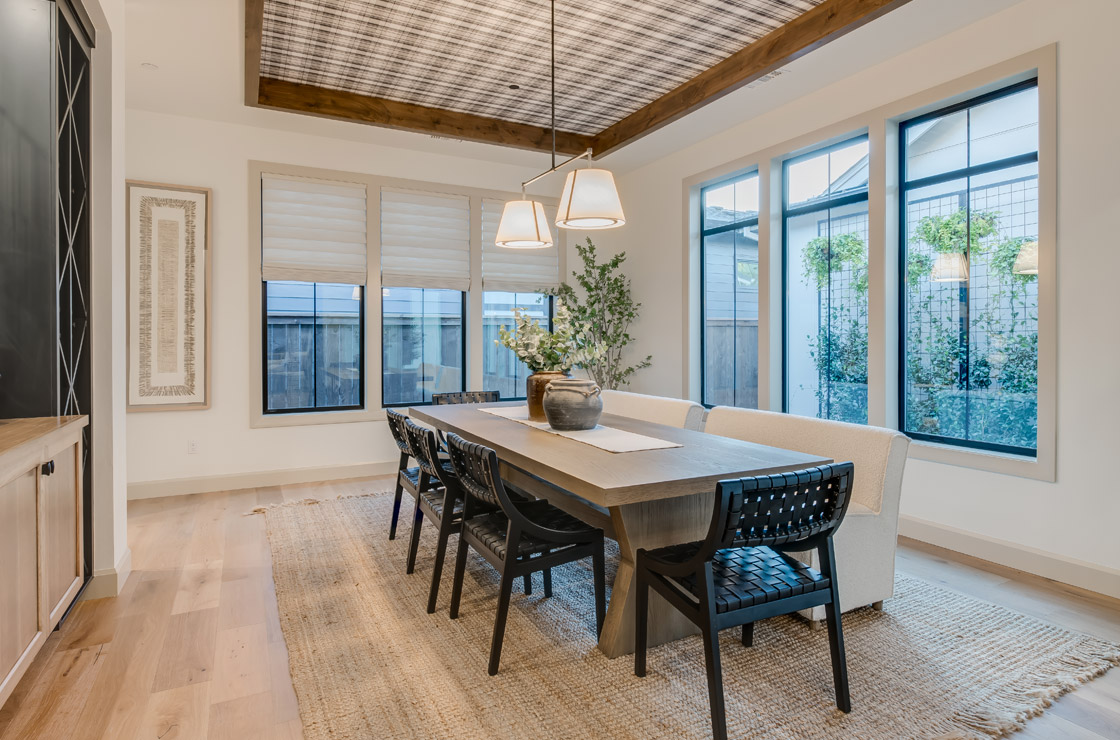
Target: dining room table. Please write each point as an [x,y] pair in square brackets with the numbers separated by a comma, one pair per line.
[643,499]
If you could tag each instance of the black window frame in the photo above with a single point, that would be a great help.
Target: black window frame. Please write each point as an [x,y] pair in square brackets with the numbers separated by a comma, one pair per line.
[965,173]
[314,353]
[462,344]
[825,205]
[551,315]
[704,233]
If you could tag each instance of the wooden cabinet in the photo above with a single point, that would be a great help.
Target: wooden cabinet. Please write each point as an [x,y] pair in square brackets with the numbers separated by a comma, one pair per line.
[41,565]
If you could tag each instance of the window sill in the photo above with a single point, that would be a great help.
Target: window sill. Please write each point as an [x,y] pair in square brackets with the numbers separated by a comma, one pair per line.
[1038,468]
[265,421]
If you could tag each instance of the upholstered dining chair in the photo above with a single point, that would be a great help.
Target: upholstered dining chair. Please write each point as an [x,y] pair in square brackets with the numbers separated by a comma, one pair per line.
[865,548]
[412,479]
[741,572]
[518,538]
[439,399]
[673,412]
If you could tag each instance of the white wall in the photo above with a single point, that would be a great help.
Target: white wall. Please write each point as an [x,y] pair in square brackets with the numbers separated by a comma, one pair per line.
[193,151]
[1074,518]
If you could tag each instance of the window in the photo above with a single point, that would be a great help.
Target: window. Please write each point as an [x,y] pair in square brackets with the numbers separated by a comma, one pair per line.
[969,302]
[313,269]
[825,251]
[511,278]
[502,371]
[313,346]
[422,344]
[729,303]
[425,268]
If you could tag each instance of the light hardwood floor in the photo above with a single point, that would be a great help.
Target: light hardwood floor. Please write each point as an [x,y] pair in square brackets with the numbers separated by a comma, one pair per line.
[192,647]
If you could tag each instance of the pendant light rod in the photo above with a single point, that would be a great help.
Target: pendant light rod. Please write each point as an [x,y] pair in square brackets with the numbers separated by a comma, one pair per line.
[555,168]
[552,45]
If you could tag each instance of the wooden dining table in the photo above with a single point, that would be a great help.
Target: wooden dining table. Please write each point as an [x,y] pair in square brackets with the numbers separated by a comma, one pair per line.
[644,499]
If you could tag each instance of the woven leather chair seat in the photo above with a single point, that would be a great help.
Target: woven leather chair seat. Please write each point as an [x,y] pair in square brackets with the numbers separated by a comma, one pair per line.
[491,529]
[413,473]
[434,500]
[746,576]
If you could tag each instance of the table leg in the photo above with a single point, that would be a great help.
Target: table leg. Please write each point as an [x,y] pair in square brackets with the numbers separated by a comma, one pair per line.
[649,525]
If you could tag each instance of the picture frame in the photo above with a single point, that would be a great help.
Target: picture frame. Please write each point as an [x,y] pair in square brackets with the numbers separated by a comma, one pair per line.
[168,296]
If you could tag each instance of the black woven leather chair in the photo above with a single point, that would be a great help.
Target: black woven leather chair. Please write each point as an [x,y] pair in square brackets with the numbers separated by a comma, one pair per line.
[411,479]
[740,573]
[517,538]
[443,504]
[439,399]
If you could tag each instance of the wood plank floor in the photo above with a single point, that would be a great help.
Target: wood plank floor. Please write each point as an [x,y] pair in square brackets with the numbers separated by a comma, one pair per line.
[192,647]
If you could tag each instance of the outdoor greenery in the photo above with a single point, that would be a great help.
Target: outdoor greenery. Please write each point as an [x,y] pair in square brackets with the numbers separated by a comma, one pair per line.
[561,349]
[839,348]
[605,312]
[981,389]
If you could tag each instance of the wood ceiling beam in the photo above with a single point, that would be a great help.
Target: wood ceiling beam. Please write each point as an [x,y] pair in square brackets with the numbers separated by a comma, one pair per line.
[254,27]
[811,30]
[318,101]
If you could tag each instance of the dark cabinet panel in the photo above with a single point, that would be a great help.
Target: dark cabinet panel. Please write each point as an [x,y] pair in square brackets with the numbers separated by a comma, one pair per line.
[28,244]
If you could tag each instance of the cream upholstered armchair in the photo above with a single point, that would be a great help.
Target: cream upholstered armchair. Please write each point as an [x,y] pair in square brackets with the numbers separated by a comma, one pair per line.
[673,412]
[865,542]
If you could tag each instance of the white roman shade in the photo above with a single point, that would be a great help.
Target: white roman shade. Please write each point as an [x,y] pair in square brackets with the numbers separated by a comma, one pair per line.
[313,230]
[425,240]
[516,270]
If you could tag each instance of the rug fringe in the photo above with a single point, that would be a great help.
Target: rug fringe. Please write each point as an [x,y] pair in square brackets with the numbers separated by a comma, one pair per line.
[310,502]
[1007,711]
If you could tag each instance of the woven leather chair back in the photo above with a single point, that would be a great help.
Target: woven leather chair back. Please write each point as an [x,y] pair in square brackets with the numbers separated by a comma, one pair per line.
[400,436]
[440,399]
[423,443]
[781,510]
[477,469]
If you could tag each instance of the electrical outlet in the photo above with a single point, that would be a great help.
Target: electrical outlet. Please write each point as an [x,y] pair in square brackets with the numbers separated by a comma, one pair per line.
[192,447]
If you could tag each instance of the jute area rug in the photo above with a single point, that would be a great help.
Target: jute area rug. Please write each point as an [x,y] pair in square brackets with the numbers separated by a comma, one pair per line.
[368,662]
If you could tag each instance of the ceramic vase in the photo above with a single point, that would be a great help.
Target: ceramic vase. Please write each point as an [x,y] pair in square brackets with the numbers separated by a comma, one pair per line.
[572,404]
[535,386]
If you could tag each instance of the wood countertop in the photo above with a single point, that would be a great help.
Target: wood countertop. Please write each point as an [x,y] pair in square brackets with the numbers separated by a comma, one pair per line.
[19,433]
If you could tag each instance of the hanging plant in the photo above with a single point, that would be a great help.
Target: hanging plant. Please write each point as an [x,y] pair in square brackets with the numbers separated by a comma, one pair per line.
[825,255]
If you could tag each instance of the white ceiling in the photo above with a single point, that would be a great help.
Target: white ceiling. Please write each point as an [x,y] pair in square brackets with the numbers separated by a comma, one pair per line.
[199,50]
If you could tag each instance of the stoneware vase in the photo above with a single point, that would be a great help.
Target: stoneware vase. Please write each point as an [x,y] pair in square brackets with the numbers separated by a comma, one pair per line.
[535,385]
[572,404]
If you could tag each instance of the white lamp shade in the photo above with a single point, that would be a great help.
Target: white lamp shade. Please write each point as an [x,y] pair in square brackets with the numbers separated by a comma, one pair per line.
[950,268]
[1027,261]
[590,201]
[523,226]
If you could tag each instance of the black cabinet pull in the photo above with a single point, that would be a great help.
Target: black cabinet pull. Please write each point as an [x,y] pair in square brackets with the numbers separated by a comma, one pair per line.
[48,467]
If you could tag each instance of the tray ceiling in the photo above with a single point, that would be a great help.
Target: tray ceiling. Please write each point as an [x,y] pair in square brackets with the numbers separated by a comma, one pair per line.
[612,57]
[480,69]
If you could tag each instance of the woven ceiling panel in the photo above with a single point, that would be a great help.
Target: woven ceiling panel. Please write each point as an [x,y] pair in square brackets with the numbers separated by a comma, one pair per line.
[612,56]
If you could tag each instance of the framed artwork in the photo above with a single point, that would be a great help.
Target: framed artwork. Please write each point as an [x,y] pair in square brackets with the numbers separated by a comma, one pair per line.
[168,247]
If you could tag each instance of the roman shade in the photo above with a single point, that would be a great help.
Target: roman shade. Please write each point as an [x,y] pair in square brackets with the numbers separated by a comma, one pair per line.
[313,230]
[511,269]
[425,240]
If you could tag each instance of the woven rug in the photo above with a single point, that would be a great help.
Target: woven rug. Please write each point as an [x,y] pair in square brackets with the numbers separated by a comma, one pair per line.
[368,662]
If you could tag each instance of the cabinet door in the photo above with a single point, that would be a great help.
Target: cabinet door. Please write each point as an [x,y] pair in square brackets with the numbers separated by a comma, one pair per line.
[62,567]
[19,571]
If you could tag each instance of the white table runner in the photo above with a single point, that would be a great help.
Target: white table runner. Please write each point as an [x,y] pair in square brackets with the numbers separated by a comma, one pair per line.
[605,438]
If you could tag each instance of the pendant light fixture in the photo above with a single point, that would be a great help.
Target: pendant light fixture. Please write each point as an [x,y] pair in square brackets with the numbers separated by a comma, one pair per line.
[1026,262]
[950,267]
[589,200]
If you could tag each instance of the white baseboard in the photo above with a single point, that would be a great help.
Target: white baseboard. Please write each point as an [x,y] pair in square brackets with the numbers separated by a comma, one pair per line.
[255,479]
[109,581]
[1086,575]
